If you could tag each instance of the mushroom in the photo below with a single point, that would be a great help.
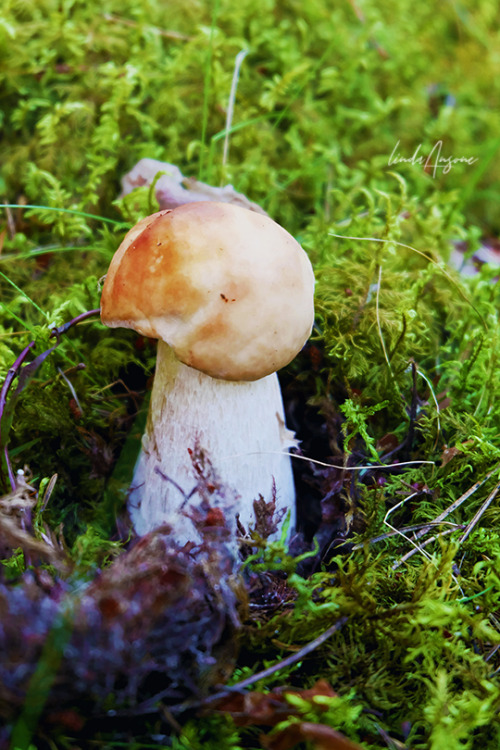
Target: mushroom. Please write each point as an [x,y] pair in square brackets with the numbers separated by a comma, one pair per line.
[229,295]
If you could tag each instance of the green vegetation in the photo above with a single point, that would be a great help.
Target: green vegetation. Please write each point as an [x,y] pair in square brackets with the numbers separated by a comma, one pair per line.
[403,365]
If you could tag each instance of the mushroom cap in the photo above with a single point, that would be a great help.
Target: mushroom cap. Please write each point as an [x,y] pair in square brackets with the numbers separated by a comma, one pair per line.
[228,289]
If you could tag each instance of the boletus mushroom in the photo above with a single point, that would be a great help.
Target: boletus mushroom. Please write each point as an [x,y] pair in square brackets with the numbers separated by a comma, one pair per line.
[229,295]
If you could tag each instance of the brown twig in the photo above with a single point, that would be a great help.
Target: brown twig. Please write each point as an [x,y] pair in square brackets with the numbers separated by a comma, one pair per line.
[479,513]
[404,530]
[284,663]
[420,547]
[151,706]
[456,504]
[441,517]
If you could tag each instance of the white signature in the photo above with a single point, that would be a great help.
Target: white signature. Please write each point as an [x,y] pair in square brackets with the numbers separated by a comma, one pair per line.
[433,162]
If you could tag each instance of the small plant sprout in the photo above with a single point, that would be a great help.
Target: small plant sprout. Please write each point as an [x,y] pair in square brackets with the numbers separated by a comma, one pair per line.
[229,295]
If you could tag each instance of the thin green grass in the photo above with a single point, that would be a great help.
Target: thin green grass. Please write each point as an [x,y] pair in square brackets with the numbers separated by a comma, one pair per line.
[56,209]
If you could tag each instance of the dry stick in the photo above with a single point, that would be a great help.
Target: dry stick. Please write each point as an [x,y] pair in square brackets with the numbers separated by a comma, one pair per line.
[480,512]
[287,662]
[420,548]
[417,547]
[440,518]
[492,652]
[404,530]
[150,706]
[58,330]
[457,503]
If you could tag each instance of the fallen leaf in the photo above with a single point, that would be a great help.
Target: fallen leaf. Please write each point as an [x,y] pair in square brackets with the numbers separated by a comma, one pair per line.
[269,709]
[448,454]
[321,736]
[172,189]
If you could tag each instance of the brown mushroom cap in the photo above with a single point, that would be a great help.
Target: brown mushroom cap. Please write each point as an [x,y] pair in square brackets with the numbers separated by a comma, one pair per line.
[228,289]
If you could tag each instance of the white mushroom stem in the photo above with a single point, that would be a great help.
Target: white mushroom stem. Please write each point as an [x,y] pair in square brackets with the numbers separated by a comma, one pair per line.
[241,428]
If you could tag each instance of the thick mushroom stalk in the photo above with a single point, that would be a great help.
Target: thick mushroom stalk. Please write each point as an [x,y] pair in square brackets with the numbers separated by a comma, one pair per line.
[229,295]
[241,428]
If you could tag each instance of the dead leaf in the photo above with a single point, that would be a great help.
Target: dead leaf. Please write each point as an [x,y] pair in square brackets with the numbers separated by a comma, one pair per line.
[172,189]
[269,709]
[321,736]
[448,454]
[16,526]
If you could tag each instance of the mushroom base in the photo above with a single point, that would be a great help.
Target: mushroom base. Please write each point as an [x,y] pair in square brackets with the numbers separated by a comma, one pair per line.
[238,426]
